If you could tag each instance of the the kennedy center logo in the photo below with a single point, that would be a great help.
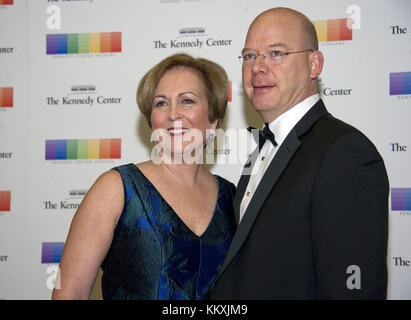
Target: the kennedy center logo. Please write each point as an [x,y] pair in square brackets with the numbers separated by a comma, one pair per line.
[400,83]
[5,197]
[6,50]
[328,91]
[51,252]
[192,37]
[78,43]
[335,30]
[6,97]
[6,2]
[72,202]
[401,199]
[77,149]
[83,95]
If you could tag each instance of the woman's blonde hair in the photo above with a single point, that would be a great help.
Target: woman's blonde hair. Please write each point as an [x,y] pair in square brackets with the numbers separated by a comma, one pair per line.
[212,74]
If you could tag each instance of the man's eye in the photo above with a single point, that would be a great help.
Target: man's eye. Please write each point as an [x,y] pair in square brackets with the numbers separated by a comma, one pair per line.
[276,53]
[249,56]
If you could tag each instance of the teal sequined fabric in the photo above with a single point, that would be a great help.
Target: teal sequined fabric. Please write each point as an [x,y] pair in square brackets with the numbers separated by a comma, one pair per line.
[154,255]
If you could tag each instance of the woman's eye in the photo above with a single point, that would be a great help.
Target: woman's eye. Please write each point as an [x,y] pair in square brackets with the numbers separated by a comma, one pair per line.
[188,101]
[160,103]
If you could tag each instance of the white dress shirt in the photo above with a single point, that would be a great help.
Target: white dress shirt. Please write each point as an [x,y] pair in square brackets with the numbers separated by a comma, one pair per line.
[281,127]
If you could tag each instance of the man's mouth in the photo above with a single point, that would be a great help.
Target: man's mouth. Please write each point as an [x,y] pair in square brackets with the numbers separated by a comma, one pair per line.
[261,86]
[260,89]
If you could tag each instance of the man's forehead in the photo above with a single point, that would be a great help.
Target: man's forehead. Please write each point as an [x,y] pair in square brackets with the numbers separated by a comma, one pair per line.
[273,45]
[269,30]
[278,14]
[273,34]
[278,21]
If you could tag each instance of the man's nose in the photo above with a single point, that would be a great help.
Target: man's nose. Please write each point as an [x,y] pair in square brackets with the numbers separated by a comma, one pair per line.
[260,64]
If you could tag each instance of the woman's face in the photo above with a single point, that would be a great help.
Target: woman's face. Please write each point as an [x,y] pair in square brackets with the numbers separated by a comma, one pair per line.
[180,110]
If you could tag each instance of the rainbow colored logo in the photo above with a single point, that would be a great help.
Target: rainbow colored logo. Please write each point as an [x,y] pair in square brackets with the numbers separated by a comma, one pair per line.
[51,252]
[5,197]
[6,97]
[333,30]
[76,149]
[6,2]
[75,43]
[400,83]
[401,199]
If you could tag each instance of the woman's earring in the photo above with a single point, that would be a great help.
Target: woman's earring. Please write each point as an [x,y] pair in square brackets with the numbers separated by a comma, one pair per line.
[210,139]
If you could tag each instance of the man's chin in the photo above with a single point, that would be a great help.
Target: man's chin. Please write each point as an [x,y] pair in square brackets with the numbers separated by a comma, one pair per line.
[263,106]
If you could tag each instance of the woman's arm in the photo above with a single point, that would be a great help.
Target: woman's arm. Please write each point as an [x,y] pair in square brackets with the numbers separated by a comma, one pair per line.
[90,237]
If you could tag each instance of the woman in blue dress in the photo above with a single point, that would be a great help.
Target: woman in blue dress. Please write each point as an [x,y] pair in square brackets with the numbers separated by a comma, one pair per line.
[159,229]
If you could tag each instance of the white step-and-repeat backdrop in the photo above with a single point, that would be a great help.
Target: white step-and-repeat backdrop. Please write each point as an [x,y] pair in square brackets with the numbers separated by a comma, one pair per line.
[68,77]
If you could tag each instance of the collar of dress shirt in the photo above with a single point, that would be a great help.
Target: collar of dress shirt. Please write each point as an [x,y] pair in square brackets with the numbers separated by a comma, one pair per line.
[282,126]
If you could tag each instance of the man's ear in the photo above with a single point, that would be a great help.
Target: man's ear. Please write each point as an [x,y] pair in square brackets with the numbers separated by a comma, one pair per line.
[317,61]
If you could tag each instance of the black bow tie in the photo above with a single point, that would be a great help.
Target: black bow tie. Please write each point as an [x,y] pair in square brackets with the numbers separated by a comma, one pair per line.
[263,135]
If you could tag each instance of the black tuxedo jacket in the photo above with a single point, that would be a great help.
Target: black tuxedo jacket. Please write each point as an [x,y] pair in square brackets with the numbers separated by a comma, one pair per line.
[317,225]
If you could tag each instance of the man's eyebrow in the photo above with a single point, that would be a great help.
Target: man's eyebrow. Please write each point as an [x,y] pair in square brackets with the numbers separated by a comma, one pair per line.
[277,44]
[273,45]
[246,49]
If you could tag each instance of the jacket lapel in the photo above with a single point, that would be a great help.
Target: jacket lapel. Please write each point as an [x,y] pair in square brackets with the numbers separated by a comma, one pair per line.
[274,171]
[242,184]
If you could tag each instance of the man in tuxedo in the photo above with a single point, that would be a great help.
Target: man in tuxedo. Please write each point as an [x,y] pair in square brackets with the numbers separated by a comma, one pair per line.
[312,216]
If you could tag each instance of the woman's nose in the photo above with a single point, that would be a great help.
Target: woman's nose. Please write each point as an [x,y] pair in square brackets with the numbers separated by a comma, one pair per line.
[174,113]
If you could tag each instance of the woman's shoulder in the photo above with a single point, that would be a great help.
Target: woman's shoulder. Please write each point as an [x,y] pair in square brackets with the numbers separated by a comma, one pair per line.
[131,173]
[124,169]
[108,180]
[107,186]
[103,202]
